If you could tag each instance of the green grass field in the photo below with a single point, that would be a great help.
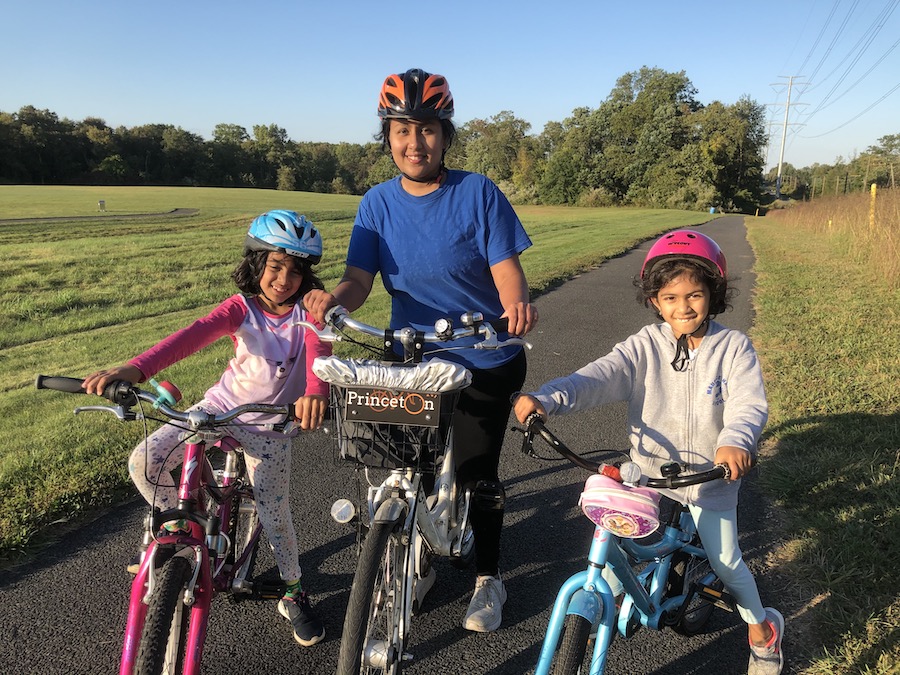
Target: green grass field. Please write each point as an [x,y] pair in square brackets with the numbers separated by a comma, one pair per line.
[77,295]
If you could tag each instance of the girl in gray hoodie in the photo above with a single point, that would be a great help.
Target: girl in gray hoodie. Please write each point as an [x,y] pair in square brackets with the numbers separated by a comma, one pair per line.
[695,396]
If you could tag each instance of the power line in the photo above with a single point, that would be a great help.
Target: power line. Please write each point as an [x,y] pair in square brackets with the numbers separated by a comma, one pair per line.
[861,47]
[895,88]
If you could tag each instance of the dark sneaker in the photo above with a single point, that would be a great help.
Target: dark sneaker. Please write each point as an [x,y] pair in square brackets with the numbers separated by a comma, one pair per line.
[769,660]
[308,628]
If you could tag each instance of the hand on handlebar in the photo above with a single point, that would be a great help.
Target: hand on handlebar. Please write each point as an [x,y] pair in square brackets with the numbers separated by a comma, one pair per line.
[310,411]
[524,406]
[96,382]
[522,316]
[318,302]
[738,460]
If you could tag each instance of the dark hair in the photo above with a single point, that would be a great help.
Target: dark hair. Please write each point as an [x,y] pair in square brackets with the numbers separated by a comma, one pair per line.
[666,271]
[447,128]
[249,271]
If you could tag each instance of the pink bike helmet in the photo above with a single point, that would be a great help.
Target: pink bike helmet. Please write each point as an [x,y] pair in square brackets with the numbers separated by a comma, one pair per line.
[686,244]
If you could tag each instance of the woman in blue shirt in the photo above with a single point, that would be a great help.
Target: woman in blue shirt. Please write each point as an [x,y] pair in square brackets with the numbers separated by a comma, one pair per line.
[446,242]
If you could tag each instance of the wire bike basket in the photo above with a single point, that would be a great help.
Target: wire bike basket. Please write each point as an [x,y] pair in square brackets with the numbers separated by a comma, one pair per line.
[392,415]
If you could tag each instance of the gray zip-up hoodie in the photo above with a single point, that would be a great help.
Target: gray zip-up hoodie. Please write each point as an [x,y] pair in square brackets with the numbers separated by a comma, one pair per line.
[675,416]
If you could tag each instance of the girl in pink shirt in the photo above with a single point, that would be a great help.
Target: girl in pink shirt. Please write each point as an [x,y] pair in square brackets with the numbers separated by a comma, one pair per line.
[271,364]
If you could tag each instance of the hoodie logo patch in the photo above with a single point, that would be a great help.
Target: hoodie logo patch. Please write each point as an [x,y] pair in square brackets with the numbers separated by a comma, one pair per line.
[716,389]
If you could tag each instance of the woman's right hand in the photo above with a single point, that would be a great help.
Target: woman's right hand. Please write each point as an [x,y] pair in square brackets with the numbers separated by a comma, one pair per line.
[96,382]
[525,405]
[318,302]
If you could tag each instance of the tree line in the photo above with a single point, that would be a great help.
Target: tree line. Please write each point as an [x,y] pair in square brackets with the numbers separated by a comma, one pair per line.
[880,164]
[649,143]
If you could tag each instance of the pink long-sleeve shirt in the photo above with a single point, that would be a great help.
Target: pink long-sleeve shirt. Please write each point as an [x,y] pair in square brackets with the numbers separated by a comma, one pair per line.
[272,360]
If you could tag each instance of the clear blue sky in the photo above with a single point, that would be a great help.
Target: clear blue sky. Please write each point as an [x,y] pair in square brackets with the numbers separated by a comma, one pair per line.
[315,67]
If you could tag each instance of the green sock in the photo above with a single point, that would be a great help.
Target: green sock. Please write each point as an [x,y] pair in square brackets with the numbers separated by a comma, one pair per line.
[293,589]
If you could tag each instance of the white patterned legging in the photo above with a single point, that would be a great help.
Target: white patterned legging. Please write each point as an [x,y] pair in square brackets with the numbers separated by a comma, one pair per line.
[268,466]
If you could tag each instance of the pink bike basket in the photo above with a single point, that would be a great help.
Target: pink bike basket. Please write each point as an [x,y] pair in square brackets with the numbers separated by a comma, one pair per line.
[628,512]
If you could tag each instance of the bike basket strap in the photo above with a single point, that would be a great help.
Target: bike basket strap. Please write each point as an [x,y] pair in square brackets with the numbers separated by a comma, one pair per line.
[627,512]
[392,415]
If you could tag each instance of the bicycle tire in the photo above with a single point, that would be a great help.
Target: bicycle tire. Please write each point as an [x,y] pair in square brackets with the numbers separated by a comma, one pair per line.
[576,633]
[164,637]
[373,640]
[243,522]
[686,569]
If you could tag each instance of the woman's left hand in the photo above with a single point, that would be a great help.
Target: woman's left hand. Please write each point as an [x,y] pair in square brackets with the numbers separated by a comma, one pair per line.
[310,411]
[740,461]
[522,317]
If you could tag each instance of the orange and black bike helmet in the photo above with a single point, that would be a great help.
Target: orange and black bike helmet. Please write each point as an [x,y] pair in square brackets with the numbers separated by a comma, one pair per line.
[415,95]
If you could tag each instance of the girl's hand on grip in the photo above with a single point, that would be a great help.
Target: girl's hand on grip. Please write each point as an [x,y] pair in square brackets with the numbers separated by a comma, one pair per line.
[95,383]
[310,411]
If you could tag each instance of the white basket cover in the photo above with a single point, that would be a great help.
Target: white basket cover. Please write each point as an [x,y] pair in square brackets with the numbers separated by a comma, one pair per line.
[434,375]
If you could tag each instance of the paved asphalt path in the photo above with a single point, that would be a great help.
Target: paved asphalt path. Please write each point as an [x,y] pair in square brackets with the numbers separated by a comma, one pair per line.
[64,612]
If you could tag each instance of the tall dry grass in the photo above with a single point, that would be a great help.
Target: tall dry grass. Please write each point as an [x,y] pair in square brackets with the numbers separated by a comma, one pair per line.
[868,227]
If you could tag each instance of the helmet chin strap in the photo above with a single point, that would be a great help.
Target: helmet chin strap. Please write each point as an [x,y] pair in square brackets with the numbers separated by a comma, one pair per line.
[287,303]
[682,348]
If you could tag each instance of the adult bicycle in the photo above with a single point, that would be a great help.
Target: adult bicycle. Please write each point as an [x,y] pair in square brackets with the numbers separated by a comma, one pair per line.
[667,578]
[393,419]
[214,549]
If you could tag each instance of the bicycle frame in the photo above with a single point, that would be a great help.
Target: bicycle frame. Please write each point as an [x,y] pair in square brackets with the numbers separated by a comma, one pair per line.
[589,595]
[438,524]
[205,537]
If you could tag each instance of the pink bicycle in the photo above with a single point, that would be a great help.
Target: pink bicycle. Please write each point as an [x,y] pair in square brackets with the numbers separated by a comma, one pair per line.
[181,572]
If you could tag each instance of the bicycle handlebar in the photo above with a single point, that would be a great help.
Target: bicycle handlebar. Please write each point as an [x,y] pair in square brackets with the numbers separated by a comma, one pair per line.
[473,324]
[126,395]
[535,425]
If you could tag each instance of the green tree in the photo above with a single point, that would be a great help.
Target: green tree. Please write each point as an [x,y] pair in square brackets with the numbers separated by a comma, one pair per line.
[492,146]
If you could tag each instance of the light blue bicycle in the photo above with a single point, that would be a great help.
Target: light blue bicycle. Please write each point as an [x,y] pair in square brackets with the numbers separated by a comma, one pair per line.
[676,586]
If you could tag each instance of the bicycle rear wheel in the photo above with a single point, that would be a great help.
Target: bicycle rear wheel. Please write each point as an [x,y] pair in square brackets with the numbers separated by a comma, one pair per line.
[686,570]
[380,604]
[242,529]
[164,637]
[571,658]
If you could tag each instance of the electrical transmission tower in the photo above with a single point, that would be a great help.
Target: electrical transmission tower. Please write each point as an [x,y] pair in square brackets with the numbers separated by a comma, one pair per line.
[787,109]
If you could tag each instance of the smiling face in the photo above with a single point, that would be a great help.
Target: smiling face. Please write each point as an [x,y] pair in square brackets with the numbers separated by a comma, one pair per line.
[279,282]
[417,147]
[683,303]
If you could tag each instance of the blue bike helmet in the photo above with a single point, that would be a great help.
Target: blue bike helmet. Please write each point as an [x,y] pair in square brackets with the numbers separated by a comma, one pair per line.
[285,231]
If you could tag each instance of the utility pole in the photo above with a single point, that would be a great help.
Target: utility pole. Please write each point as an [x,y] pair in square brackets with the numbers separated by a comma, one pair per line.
[787,108]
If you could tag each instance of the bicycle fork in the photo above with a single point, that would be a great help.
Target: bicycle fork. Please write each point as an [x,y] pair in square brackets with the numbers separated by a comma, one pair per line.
[588,595]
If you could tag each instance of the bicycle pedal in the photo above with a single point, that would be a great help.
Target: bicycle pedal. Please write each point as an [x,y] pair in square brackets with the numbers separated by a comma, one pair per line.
[718,598]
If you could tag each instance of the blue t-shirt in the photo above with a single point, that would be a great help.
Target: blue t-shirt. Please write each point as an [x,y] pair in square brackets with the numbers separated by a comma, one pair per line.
[434,253]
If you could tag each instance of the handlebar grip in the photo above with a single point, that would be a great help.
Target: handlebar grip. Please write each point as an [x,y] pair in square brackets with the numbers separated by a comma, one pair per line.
[500,325]
[70,385]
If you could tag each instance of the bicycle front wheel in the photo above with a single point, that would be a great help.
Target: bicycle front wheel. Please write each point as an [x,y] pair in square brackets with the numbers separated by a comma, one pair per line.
[576,633]
[164,637]
[379,607]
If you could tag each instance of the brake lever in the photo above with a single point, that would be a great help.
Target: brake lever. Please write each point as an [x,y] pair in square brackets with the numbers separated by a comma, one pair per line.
[120,412]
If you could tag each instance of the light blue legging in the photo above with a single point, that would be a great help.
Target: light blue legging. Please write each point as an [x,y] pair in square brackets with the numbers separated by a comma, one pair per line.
[718,532]
[268,467]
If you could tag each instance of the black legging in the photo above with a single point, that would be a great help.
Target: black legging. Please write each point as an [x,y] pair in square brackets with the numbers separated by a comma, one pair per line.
[479,425]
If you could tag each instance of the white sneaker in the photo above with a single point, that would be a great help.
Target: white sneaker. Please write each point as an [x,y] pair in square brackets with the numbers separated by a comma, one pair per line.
[423,585]
[485,612]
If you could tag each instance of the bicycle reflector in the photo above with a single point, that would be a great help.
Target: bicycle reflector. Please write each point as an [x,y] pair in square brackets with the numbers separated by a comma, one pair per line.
[343,511]
[628,512]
